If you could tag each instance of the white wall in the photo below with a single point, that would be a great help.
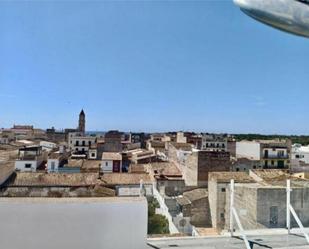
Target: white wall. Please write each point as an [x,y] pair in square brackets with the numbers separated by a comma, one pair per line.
[107,166]
[302,153]
[73,223]
[49,165]
[47,145]
[248,149]
[90,154]
[21,165]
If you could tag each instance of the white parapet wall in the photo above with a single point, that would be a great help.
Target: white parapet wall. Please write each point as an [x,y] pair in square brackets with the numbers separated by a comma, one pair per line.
[73,223]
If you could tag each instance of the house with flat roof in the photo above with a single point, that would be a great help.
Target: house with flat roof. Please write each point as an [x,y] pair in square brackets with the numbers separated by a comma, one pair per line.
[111,162]
[30,158]
[259,198]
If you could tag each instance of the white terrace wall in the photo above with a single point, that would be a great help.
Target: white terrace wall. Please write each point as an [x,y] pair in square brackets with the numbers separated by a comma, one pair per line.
[71,223]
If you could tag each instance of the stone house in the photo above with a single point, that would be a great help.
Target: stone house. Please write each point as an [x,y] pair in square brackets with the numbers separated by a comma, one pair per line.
[194,204]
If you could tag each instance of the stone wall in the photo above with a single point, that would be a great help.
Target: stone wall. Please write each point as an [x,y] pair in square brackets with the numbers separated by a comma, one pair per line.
[211,161]
[260,208]
[217,203]
[191,170]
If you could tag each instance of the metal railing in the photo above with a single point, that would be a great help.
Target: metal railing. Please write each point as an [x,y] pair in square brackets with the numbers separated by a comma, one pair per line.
[290,210]
[275,156]
[233,214]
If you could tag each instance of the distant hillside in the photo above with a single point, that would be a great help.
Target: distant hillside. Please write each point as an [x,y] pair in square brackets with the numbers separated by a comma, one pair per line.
[302,139]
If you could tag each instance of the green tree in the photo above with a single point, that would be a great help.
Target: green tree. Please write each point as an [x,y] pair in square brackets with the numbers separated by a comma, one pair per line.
[157,224]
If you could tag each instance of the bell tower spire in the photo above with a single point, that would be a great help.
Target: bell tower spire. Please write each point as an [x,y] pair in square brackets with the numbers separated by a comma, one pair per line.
[82,122]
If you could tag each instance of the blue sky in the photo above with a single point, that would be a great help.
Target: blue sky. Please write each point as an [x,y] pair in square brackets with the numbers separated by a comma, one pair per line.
[150,66]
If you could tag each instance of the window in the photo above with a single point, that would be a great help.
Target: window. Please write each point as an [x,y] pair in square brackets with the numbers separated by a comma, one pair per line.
[92,154]
[297,156]
[106,163]
[83,143]
[254,167]
[272,163]
[237,169]
[280,153]
[89,143]
[222,189]
[77,143]
[28,165]
[222,216]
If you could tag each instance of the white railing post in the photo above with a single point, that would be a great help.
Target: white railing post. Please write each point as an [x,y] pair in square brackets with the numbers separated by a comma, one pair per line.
[141,192]
[290,210]
[299,223]
[231,207]
[233,214]
[288,203]
[244,236]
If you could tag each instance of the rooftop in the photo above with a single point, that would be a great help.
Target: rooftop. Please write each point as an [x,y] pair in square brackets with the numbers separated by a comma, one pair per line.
[275,177]
[164,169]
[155,143]
[182,146]
[196,194]
[137,168]
[228,176]
[126,179]
[111,156]
[26,179]
[19,179]
[91,165]
[75,163]
[277,240]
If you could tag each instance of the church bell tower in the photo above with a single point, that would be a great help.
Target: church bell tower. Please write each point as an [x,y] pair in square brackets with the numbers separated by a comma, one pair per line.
[82,122]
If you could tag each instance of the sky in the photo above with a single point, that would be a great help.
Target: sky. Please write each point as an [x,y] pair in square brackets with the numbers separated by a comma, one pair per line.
[150,66]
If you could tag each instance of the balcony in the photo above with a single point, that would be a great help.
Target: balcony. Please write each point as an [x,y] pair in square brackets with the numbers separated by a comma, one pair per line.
[275,156]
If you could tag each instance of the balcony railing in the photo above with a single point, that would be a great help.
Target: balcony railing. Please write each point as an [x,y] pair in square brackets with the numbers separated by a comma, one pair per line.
[276,156]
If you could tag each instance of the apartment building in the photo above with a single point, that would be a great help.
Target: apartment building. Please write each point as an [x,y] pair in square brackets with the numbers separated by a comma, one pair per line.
[213,142]
[272,154]
[79,143]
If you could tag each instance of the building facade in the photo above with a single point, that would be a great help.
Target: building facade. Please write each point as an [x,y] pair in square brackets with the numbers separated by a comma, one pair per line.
[272,154]
[79,143]
[212,142]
